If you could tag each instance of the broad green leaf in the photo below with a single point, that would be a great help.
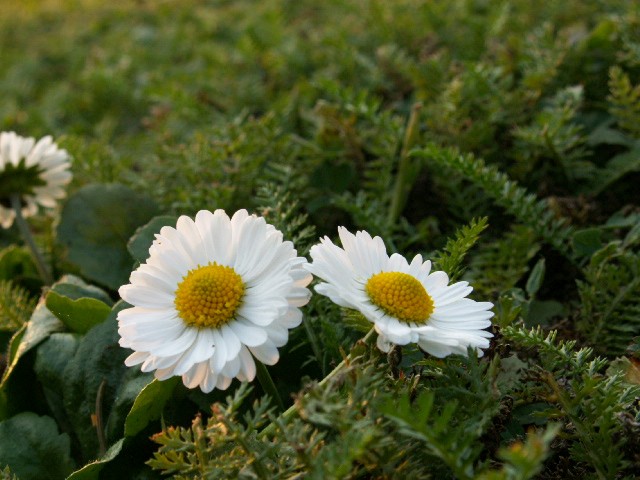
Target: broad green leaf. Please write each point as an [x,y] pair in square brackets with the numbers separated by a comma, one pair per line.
[142,239]
[16,263]
[34,449]
[615,169]
[5,407]
[75,288]
[42,324]
[149,405]
[604,134]
[52,357]
[534,282]
[587,241]
[99,360]
[622,220]
[78,315]
[131,384]
[540,312]
[96,224]
[91,471]
[14,343]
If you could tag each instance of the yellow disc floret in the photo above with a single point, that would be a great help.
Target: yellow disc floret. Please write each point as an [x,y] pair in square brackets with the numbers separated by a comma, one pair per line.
[208,297]
[400,295]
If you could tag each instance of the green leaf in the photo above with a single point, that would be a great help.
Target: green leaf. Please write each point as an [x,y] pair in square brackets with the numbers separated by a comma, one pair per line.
[131,384]
[534,282]
[540,312]
[78,315]
[91,471]
[96,224]
[42,324]
[149,405]
[604,134]
[52,357]
[511,372]
[98,361]
[75,288]
[586,242]
[34,449]
[16,263]
[450,259]
[615,169]
[143,237]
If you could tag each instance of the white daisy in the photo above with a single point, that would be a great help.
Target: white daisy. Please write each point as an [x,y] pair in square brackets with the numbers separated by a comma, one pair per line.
[406,302]
[35,171]
[213,294]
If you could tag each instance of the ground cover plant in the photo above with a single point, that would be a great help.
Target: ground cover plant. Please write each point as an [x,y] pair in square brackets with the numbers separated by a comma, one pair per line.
[498,140]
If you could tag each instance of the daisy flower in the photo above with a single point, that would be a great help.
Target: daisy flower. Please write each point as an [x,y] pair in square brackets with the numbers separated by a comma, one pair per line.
[34,171]
[213,294]
[406,302]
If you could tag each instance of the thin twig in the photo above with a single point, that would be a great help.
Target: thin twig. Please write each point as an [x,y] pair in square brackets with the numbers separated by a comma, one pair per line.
[41,265]
[99,425]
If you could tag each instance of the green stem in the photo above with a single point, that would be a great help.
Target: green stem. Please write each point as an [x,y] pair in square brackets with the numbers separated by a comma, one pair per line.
[315,346]
[41,265]
[367,339]
[403,180]
[264,377]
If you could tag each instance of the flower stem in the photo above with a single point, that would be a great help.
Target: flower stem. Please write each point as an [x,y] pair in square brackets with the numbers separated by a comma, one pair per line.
[315,346]
[41,265]
[269,429]
[403,178]
[264,377]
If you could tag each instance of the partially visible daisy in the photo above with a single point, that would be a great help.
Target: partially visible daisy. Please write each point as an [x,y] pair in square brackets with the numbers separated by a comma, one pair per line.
[33,172]
[213,294]
[406,302]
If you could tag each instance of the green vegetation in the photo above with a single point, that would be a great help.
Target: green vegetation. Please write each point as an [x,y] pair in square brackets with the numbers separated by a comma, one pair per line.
[500,139]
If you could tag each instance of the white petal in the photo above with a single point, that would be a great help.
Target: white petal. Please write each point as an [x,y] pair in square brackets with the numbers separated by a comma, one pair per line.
[210,379]
[383,343]
[299,297]
[267,353]
[196,375]
[247,366]
[136,358]
[191,240]
[278,336]
[291,319]
[223,382]
[201,350]
[435,280]
[177,346]
[232,368]
[142,296]
[248,333]
[259,315]
[231,340]
[219,358]
[145,279]
[163,373]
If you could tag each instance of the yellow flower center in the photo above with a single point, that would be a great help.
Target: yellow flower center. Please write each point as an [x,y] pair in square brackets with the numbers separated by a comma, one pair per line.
[401,296]
[209,296]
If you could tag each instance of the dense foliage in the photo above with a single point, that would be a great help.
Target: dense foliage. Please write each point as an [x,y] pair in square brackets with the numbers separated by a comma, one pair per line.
[501,139]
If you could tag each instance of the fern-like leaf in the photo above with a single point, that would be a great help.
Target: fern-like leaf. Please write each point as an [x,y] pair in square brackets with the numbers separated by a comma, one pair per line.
[610,293]
[500,264]
[16,306]
[624,101]
[451,257]
[508,194]
[279,208]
